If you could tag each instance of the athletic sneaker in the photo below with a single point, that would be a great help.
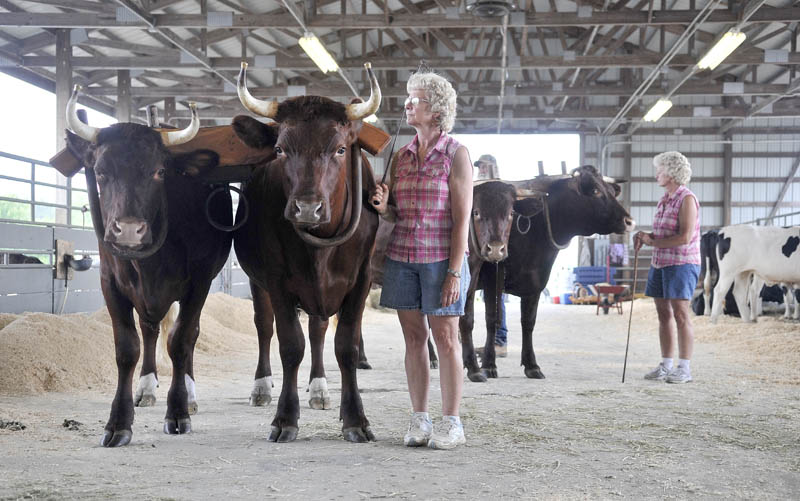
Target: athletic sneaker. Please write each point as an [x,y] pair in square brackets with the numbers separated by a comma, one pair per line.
[660,373]
[679,376]
[447,435]
[419,430]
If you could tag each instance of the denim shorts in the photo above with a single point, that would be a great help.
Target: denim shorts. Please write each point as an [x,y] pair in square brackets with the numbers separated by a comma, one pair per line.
[672,282]
[418,286]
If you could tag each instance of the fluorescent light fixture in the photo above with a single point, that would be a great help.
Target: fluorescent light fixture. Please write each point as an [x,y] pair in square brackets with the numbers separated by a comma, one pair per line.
[657,110]
[321,57]
[371,119]
[722,49]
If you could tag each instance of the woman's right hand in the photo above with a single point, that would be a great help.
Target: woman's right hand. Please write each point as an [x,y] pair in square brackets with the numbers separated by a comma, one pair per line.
[380,198]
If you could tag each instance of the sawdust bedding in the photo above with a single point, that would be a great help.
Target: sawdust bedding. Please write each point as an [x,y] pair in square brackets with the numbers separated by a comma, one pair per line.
[41,352]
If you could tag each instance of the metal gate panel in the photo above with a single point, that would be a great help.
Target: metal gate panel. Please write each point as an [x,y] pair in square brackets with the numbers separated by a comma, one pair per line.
[20,303]
[27,237]
[26,279]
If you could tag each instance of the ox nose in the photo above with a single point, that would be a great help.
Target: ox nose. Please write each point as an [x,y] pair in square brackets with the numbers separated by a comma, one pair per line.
[630,224]
[495,251]
[309,212]
[129,232]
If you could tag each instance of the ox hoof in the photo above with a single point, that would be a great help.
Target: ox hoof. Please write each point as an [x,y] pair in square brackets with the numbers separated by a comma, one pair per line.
[285,434]
[261,394]
[534,373]
[476,377]
[363,364]
[192,406]
[177,426]
[145,401]
[320,403]
[358,435]
[434,364]
[490,373]
[116,438]
[260,399]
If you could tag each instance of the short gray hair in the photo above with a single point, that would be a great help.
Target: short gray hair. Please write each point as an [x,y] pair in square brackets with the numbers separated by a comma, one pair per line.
[675,165]
[441,95]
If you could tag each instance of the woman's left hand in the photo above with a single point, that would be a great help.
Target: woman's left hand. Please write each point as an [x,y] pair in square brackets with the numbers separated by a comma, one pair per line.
[450,290]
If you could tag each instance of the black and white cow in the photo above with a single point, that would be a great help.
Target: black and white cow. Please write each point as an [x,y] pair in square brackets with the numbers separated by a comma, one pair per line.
[769,252]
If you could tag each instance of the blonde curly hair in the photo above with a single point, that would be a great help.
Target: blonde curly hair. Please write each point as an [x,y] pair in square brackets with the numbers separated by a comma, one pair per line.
[441,95]
[675,165]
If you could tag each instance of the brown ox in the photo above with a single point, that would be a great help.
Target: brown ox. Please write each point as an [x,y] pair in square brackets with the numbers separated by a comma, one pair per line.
[581,204]
[156,247]
[309,238]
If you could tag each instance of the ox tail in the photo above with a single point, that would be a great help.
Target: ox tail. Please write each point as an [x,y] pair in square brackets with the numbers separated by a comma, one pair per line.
[162,352]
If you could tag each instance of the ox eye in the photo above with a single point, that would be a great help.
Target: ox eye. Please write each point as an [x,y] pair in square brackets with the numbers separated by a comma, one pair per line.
[341,151]
[596,192]
[160,173]
[476,214]
[279,151]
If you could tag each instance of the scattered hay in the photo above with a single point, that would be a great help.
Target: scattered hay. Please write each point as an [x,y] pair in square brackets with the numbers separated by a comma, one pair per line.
[40,352]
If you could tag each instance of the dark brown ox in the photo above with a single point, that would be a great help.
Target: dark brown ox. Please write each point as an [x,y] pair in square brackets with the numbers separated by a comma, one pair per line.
[581,204]
[309,238]
[156,247]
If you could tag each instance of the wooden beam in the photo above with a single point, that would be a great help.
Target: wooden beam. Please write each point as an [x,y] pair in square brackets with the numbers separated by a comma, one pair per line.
[786,185]
[123,111]
[356,63]
[63,84]
[399,20]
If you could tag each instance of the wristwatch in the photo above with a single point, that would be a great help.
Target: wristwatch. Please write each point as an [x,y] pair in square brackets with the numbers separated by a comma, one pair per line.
[455,273]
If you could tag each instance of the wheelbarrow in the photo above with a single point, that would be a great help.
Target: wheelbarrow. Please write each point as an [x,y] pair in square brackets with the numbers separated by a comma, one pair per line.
[609,296]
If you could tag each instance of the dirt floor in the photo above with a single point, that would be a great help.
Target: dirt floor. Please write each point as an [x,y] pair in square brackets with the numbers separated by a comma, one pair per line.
[733,433]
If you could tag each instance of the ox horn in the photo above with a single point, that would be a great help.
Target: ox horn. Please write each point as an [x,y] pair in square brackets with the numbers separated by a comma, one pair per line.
[608,179]
[176,137]
[267,109]
[357,111]
[523,193]
[82,130]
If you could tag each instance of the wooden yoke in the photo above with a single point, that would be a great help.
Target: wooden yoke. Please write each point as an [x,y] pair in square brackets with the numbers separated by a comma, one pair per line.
[231,150]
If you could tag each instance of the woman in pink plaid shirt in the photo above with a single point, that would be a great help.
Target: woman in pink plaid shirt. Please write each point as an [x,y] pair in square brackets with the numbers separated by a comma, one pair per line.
[426,273]
[675,265]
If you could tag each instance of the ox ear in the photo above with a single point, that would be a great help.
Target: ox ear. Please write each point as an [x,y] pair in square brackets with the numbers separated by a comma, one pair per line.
[195,163]
[82,149]
[254,133]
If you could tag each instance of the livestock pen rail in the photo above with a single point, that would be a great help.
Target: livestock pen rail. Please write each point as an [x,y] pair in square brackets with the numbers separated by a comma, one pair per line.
[38,207]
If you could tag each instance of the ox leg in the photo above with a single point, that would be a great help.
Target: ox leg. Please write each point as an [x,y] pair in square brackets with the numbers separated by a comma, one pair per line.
[741,291]
[530,305]
[318,397]
[181,344]
[488,360]
[126,346]
[432,358]
[263,316]
[355,425]
[708,287]
[148,376]
[720,291]
[363,363]
[466,324]
[292,345]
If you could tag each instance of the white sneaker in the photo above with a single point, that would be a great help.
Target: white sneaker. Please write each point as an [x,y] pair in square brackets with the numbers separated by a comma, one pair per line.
[447,435]
[419,430]
[679,376]
[660,373]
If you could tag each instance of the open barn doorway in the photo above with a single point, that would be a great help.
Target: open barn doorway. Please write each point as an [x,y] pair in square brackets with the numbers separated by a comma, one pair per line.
[518,157]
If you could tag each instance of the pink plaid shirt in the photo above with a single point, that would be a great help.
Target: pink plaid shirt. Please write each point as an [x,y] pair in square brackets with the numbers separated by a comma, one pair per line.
[424,222]
[666,224]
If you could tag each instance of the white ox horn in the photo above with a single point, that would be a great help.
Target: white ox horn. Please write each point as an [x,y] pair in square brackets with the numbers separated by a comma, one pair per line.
[357,111]
[82,130]
[266,109]
[176,137]
[609,179]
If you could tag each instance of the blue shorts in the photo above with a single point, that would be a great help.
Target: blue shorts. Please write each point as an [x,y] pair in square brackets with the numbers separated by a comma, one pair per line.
[418,286]
[672,282]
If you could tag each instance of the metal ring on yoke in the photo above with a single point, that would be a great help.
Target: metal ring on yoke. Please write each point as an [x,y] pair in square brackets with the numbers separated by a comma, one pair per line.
[242,199]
